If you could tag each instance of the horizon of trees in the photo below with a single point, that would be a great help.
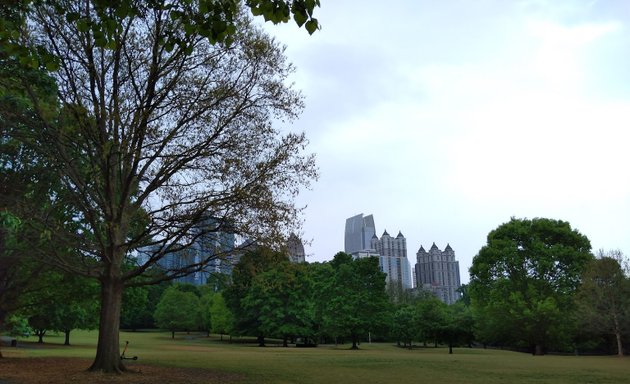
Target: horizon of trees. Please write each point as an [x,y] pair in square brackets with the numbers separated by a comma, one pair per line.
[345,301]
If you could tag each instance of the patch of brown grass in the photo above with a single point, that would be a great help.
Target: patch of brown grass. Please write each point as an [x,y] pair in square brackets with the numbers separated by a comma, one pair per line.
[57,370]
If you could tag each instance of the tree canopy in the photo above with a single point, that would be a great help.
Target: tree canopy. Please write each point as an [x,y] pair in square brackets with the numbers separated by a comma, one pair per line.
[603,299]
[523,280]
[159,132]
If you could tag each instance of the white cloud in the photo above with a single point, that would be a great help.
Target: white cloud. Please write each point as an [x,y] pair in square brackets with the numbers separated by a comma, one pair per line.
[453,116]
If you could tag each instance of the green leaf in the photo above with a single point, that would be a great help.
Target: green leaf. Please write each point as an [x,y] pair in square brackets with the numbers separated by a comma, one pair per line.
[311,26]
[82,25]
[300,18]
[72,16]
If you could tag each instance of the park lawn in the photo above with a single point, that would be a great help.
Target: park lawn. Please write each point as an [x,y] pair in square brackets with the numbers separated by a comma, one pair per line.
[373,363]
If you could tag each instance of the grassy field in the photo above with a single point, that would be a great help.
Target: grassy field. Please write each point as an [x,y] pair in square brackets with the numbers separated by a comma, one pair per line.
[374,363]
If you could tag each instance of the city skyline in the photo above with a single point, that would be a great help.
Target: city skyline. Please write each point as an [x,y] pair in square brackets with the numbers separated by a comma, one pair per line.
[463,115]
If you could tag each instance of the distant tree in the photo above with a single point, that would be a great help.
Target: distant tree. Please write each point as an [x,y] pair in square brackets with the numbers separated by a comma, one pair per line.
[458,326]
[65,303]
[221,317]
[252,263]
[358,301]
[17,326]
[280,299]
[139,304]
[430,317]
[177,311]
[523,282]
[205,304]
[321,276]
[604,297]
[404,325]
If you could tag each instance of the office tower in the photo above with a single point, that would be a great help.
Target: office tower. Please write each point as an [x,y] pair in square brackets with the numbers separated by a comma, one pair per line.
[295,249]
[359,232]
[393,258]
[438,272]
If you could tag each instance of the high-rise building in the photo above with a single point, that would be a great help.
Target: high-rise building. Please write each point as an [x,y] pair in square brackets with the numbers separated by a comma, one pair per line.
[359,232]
[295,249]
[211,247]
[438,272]
[393,258]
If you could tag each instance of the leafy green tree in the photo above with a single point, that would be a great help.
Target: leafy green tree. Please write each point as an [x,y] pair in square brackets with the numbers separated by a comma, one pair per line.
[205,304]
[27,190]
[18,326]
[358,301]
[321,276]
[139,304]
[430,318]
[458,326]
[281,300]
[404,325]
[604,297]
[214,20]
[163,124]
[523,282]
[67,302]
[177,311]
[251,264]
[221,317]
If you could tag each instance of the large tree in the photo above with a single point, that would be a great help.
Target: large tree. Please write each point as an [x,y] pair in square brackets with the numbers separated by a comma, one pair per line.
[604,297]
[358,302]
[281,300]
[161,137]
[524,279]
[178,310]
[250,265]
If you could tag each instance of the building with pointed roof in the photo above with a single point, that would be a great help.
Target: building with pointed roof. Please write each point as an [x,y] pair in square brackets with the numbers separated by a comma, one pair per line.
[295,249]
[393,260]
[438,272]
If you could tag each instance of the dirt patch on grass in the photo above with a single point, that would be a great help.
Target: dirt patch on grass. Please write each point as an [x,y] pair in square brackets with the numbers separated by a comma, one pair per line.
[56,370]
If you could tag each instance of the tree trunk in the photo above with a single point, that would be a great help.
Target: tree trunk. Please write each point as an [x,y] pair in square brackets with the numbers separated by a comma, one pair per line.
[450,348]
[2,316]
[67,332]
[108,348]
[173,335]
[539,350]
[354,342]
[618,336]
[285,342]
[261,341]
[40,334]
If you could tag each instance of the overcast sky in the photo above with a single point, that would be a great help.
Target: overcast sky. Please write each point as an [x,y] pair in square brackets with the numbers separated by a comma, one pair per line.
[445,118]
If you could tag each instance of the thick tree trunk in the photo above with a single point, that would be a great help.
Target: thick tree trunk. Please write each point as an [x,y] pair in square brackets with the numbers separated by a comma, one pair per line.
[67,332]
[261,341]
[539,350]
[108,348]
[40,334]
[354,342]
[285,342]
[619,344]
[173,335]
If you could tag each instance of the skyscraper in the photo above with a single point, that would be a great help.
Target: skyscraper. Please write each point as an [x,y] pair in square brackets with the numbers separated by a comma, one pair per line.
[359,232]
[295,249]
[393,258]
[438,272]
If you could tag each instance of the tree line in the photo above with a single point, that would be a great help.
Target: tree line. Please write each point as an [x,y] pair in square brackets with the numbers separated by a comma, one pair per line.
[535,286]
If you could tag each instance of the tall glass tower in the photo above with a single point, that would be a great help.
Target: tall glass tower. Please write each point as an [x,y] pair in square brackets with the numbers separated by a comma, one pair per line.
[359,232]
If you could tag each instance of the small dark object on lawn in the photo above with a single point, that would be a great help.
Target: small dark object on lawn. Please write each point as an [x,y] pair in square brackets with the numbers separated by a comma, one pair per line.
[123,357]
